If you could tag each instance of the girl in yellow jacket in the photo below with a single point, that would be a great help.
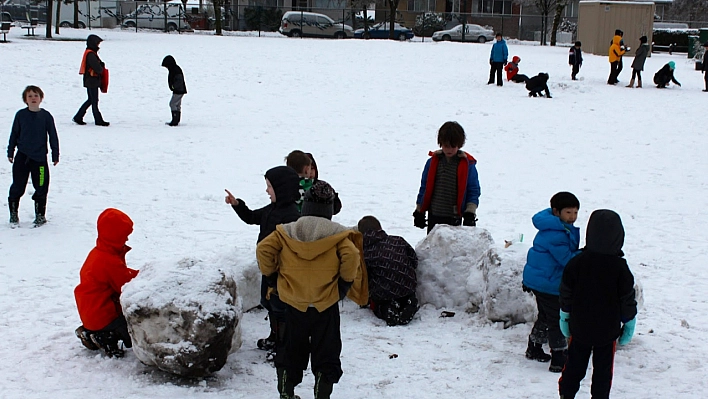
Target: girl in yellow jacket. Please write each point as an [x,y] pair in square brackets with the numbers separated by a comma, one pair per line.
[616,53]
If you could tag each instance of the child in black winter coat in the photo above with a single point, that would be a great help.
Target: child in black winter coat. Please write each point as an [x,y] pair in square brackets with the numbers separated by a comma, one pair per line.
[666,75]
[175,81]
[537,84]
[283,186]
[575,59]
[597,306]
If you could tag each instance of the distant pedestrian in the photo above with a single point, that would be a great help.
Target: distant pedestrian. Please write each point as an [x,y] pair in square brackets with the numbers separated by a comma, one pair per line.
[497,60]
[175,81]
[31,129]
[638,64]
[704,66]
[93,70]
[575,60]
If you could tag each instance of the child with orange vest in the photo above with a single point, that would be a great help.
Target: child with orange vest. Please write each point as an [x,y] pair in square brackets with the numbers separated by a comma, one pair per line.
[95,72]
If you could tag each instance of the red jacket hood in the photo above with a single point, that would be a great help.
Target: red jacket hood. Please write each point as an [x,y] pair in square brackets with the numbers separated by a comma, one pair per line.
[114,227]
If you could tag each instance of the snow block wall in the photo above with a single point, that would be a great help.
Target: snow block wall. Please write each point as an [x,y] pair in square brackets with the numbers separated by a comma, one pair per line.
[184,318]
[460,268]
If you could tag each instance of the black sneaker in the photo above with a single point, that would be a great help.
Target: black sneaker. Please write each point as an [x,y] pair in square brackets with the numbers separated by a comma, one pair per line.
[103,123]
[78,121]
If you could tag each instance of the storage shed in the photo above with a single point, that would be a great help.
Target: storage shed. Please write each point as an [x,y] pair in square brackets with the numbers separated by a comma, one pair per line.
[597,21]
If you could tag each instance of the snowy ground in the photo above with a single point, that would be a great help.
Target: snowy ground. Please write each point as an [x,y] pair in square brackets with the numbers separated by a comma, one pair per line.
[369,111]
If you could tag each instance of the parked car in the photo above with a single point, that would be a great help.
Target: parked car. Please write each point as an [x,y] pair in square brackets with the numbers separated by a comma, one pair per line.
[21,11]
[310,24]
[153,16]
[473,33]
[381,31]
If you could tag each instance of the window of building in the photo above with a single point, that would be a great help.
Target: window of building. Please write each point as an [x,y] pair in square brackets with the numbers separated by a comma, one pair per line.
[494,7]
[421,5]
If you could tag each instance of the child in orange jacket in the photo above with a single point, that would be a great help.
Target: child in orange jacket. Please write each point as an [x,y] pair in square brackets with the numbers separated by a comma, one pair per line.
[103,275]
[512,71]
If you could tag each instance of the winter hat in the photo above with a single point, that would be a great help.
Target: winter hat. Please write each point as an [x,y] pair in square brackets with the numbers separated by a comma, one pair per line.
[319,200]
[643,39]
[285,182]
[516,59]
[605,233]
[672,65]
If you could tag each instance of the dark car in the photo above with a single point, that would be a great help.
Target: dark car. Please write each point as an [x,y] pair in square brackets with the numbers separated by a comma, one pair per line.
[381,31]
[24,11]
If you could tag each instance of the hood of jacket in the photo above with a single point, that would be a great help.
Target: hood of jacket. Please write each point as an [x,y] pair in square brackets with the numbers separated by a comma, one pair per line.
[300,235]
[616,40]
[516,59]
[114,227]
[92,42]
[285,182]
[169,62]
[546,220]
[605,234]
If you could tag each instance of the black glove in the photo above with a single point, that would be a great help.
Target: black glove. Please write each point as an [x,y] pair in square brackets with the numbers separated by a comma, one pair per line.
[343,287]
[419,220]
[469,219]
[525,288]
[505,62]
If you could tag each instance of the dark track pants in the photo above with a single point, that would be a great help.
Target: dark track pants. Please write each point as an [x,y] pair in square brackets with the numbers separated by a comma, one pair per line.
[574,72]
[22,168]
[614,73]
[496,69]
[546,329]
[91,101]
[311,336]
[603,358]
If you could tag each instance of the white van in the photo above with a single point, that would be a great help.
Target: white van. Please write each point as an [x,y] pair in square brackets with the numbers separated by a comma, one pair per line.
[88,15]
[153,16]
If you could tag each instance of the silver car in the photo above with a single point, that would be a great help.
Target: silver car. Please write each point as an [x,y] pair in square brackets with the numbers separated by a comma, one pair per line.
[473,33]
[311,24]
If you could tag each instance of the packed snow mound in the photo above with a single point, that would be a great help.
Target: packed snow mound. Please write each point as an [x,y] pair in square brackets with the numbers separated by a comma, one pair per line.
[184,318]
[459,267]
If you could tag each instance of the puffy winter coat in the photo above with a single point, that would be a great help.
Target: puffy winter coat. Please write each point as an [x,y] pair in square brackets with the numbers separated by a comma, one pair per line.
[105,272]
[616,51]
[554,245]
[310,256]
[640,57]
[468,190]
[664,76]
[175,77]
[500,53]
[597,288]
[390,264]
[512,68]
[575,56]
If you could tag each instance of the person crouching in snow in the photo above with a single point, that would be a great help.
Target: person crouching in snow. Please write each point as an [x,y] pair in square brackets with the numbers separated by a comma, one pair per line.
[175,81]
[512,71]
[103,274]
[537,84]
[316,262]
[666,75]
[598,306]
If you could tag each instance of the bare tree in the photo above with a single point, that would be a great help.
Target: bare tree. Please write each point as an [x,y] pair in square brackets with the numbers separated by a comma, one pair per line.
[544,7]
[57,18]
[50,6]
[688,10]
[393,8]
[560,6]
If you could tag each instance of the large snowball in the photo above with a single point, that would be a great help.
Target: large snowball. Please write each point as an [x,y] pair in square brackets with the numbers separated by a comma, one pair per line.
[183,318]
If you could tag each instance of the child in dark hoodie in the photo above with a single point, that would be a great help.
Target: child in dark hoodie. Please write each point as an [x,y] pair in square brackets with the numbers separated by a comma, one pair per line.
[666,75]
[597,306]
[283,186]
[175,81]
[537,84]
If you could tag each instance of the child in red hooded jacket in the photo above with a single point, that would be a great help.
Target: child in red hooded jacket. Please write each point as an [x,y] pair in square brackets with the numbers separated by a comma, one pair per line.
[102,276]
[512,71]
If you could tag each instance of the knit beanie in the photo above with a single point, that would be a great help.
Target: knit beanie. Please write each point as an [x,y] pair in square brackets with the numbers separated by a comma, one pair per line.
[672,65]
[643,39]
[319,200]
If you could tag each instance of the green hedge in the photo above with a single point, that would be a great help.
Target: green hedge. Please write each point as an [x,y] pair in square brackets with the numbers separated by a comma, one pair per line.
[665,37]
[263,19]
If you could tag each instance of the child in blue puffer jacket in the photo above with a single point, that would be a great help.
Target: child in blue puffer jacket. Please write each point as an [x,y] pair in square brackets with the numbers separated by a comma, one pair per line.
[555,244]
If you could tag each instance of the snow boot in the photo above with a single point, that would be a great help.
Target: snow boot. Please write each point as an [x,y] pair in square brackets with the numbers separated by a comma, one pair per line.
[85,336]
[631,83]
[535,352]
[40,208]
[14,206]
[286,389]
[175,118]
[558,358]
[268,343]
[108,342]
[639,84]
[323,388]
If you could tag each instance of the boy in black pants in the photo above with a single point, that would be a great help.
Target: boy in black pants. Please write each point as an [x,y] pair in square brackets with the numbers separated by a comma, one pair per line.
[30,129]
[597,306]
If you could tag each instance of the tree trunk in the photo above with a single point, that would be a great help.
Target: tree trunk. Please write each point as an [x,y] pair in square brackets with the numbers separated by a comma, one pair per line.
[50,6]
[217,15]
[393,6]
[366,19]
[57,18]
[544,28]
[556,21]
[76,14]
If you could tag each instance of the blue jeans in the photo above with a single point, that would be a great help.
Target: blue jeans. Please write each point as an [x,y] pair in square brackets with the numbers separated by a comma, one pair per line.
[91,101]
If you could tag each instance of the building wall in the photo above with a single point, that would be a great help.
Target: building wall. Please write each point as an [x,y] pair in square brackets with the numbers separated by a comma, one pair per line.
[597,21]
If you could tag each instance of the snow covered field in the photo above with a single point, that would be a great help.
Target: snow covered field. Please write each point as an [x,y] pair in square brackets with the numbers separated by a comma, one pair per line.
[369,112]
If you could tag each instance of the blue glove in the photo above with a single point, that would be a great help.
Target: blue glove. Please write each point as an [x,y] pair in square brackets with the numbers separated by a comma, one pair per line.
[564,319]
[627,332]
